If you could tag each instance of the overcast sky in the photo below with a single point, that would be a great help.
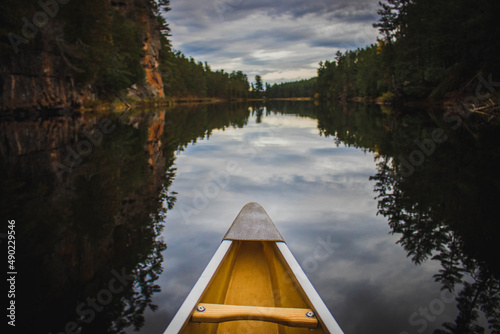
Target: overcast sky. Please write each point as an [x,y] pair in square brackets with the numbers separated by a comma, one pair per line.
[282,40]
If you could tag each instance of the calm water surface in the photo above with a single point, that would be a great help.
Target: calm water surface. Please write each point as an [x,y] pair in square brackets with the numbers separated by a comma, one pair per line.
[152,195]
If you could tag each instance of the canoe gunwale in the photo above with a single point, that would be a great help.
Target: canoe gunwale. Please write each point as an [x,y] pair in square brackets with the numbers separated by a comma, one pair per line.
[324,316]
[184,313]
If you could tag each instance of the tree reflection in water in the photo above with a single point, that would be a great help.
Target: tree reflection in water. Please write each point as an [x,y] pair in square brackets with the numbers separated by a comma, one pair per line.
[108,214]
[446,211]
[103,220]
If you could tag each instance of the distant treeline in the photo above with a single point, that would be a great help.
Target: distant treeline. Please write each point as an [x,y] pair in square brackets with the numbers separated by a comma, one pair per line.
[184,77]
[428,48]
[302,88]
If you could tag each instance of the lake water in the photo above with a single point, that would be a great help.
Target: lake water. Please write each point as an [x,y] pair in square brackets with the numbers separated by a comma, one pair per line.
[119,211]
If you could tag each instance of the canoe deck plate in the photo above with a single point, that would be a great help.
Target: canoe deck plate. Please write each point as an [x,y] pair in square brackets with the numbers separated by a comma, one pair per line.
[253,223]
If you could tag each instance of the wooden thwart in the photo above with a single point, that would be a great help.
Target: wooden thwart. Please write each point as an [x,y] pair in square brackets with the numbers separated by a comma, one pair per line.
[293,317]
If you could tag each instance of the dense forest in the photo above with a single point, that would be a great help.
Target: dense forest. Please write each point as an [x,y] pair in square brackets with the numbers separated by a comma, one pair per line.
[427,49]
[57,54]
[106,55]
[184,77]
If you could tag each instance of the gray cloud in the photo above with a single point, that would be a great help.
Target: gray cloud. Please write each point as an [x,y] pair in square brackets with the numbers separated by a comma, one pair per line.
[200,48]
[282,40]
[235,9]
[328,43]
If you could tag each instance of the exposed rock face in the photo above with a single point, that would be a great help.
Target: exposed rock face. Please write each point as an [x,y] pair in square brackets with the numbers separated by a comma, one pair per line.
[37,81]
[40,77]
[152,47]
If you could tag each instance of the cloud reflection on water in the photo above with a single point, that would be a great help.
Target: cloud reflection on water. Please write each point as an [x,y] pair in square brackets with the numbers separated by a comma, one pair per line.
[311,189]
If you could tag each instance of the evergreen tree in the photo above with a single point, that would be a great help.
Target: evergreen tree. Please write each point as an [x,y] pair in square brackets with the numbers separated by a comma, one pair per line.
[258,85]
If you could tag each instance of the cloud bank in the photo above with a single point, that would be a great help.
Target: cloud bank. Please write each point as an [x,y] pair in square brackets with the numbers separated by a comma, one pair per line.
[280,40]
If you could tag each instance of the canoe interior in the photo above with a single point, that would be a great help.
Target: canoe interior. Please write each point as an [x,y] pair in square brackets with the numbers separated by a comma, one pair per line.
[252,274]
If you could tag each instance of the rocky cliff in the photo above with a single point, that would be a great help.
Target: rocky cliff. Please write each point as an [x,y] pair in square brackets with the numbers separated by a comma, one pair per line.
[71,56]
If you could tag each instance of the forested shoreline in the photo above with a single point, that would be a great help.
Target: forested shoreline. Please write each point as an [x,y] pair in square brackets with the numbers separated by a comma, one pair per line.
[431,51]
[69,54]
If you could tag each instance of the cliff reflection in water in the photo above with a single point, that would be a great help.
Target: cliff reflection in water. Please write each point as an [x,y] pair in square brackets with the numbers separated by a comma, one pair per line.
[88,247]
[446,209]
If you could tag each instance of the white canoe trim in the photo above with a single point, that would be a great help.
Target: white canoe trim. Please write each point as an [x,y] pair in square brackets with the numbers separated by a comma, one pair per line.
[324,316]
[184,312]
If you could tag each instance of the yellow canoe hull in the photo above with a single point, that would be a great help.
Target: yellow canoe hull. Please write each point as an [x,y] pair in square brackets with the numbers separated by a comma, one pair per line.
[253,284]
[252,275]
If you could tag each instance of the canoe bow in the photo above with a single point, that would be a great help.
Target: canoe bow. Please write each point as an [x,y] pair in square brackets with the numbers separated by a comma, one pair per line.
[252,233]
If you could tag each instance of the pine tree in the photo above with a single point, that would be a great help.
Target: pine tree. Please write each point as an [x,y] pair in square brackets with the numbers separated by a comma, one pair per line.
[259,88]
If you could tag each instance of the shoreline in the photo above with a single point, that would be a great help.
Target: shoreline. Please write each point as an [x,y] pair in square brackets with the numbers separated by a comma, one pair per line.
[481,104]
